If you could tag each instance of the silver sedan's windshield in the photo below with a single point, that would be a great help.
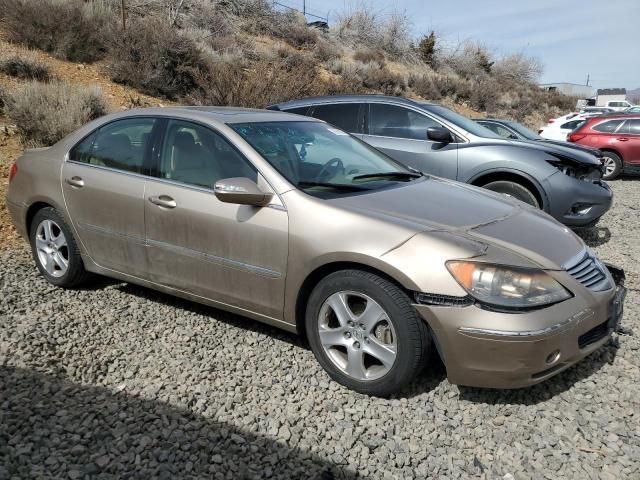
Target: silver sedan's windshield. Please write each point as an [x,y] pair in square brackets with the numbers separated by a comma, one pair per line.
[317,157]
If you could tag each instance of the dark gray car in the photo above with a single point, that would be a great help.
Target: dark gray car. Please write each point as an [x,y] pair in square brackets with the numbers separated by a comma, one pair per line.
[563,181]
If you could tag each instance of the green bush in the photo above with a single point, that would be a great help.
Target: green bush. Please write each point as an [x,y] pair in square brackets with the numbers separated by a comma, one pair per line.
[46,112]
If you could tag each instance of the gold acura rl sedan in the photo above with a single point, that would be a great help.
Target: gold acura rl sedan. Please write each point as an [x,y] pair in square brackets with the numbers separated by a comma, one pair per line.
[289,221]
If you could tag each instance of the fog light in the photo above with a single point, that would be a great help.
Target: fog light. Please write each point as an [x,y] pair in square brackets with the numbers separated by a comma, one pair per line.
[580,209]
[553,357]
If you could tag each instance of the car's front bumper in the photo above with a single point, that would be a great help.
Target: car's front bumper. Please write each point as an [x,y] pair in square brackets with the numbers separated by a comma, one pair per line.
[483,348]
[566,193]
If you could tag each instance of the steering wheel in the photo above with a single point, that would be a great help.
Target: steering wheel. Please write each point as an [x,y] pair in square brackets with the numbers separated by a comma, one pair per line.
[330,169]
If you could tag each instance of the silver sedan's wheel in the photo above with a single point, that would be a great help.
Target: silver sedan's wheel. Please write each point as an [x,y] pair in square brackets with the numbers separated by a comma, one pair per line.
[52,248]
[357,335]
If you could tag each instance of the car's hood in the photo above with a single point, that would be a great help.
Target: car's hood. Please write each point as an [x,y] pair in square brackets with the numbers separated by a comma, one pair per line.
[574,146]
[436,204]
[557,149]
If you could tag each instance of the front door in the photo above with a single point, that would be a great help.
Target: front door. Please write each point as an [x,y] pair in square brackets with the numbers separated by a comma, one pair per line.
[233,254]
[103,184]
[401,133]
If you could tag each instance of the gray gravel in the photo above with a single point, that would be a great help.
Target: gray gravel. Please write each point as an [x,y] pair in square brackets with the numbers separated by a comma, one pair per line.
[119,381]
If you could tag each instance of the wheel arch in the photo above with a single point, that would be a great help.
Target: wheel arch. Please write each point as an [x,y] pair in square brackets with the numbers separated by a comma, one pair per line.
[320,272]
[611,149]
[32,210]
[515,176]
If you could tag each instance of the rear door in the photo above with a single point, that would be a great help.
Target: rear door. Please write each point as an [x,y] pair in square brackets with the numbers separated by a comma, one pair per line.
[628,141]
[103,182]
[346,116]
[401,133]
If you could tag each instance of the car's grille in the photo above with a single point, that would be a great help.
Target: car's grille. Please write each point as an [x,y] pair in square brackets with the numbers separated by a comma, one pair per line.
[593,335]
[589,272]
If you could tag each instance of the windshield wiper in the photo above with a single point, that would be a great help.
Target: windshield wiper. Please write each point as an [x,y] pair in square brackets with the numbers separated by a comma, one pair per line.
[336,186]
[388,174]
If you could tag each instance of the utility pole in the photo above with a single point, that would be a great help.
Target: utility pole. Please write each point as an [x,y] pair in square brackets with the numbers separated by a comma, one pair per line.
[124,15]
[588,75]
[304,8]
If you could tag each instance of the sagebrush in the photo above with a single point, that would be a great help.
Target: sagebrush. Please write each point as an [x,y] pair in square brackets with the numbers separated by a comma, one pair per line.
[45,112]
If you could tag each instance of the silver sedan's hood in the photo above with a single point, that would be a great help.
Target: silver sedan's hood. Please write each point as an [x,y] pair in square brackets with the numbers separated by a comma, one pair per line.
[436,204]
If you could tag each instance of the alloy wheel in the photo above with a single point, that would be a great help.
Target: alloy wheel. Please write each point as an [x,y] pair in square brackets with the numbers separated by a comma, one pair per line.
[609,165]
[357,335]
[52,248]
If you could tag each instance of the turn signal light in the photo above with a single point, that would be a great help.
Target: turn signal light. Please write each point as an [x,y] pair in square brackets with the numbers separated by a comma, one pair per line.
[13,171]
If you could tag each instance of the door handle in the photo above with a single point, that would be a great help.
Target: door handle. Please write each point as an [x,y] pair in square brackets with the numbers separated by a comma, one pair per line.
[75,182]
[164,201]
[623,139]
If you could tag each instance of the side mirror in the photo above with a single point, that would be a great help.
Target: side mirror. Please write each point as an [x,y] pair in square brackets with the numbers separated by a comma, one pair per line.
[439,134]
[242,191]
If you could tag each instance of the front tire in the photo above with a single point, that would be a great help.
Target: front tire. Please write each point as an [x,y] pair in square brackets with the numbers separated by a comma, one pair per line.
[612,165]
[515,190]
[55,250]
[365,333]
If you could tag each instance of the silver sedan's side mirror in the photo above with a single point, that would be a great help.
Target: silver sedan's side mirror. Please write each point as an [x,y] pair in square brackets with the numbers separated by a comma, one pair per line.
[241,190]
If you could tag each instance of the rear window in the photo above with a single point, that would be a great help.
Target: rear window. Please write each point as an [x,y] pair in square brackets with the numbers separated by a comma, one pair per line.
[634,127]
[572,125]
[342,115]
[297,110]
[607,127]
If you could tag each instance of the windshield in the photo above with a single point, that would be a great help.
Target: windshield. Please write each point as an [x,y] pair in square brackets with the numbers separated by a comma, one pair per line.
[524,131]
[321,159]
[460,121]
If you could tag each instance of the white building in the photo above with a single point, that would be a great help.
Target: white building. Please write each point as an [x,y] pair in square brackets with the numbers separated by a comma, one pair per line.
[606,95]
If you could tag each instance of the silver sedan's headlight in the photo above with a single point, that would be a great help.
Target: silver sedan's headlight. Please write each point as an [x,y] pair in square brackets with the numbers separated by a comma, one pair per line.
[508,287]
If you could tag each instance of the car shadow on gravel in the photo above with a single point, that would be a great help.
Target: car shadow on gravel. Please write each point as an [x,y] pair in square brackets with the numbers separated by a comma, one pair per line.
[595,236]
[238,321]
[52,427]
[549,388]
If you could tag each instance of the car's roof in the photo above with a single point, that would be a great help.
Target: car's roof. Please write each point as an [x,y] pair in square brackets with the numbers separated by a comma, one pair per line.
[348,98]
[220,114]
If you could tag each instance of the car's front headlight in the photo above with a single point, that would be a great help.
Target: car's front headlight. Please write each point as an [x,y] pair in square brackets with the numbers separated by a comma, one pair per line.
[507,287]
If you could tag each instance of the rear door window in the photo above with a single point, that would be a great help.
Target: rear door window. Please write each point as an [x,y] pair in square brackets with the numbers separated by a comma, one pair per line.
[399,122]
[343,115]
[607,127]
[297,110]
[122,144]
[634,127]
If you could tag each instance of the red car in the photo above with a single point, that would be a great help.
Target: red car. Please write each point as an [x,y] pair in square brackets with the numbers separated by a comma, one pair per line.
[618,136]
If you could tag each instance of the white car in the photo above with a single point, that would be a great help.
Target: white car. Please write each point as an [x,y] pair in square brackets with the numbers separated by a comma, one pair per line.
[619,105]
[559,128]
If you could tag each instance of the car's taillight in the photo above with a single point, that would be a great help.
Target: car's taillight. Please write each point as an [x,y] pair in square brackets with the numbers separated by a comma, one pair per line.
[13,171]
[576,137]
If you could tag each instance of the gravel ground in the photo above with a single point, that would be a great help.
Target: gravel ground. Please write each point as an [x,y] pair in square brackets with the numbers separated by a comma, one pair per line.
[119,381]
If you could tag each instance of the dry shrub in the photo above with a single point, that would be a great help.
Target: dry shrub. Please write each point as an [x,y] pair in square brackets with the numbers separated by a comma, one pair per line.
[156,59]
[518,68]
[70,29]
[46,112]
[361,26]
[300,35]
[261,84]
[369,56]
[326,50]
[425,85]
[26,67]
[426,49]
[369,76]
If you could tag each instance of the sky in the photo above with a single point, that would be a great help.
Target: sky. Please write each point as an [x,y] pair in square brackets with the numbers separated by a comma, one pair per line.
[572,38]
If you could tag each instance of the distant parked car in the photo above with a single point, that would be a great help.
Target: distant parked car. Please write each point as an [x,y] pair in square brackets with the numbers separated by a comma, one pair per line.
[618,136]
[619,105]
[512,130]
[632,110]
[562,181]
[559,129]
[597,110]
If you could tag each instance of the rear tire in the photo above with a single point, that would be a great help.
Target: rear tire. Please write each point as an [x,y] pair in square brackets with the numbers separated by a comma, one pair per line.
[373,341]
[612,165]
[515,190]
[55,250]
